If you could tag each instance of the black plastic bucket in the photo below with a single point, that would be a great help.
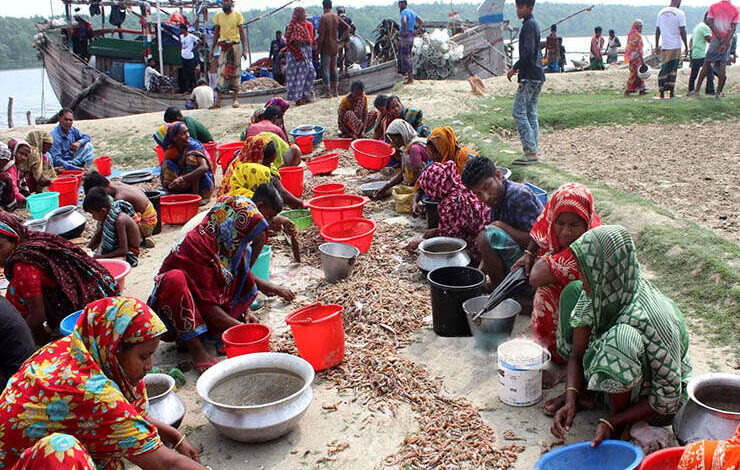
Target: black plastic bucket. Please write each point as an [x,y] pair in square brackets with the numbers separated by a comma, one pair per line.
[432,214]
[154,199]
[451,286]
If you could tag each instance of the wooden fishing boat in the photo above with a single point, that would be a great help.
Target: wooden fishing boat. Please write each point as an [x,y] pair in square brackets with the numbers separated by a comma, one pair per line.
[92,94]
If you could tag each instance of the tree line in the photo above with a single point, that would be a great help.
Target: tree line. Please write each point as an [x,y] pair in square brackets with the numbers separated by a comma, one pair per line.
[16,34]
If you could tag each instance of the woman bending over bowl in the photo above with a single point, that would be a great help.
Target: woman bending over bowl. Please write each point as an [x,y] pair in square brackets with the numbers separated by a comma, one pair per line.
[205,284]
[80,402]
[625,342]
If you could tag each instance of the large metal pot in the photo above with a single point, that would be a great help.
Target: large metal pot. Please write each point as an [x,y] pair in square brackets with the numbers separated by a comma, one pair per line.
[35,225]
[256,423]
[440,252]
[358,49]
[493,327]
[713,409]
[164,404]
[65,221]
[337,260]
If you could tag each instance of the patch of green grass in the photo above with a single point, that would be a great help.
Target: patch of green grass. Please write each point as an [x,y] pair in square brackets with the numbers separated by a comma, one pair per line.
[699,271]
[565,111]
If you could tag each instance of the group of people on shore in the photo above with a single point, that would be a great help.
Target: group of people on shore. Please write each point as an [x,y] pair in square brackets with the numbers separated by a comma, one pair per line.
[588,296]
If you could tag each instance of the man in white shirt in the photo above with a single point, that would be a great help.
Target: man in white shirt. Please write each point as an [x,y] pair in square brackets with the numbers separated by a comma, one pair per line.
[187,44]
[671,25]
[202,95]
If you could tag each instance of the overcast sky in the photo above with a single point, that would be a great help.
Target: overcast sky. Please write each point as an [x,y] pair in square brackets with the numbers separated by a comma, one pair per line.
[41,7]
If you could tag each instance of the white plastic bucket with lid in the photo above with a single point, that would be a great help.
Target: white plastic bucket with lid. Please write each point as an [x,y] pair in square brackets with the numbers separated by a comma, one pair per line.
[520,364]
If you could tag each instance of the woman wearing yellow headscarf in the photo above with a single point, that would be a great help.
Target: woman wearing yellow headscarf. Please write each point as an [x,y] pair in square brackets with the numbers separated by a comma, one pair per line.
[31,161]
[442,146]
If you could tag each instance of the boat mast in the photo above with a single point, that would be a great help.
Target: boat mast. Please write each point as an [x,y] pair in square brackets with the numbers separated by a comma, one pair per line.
[159,39]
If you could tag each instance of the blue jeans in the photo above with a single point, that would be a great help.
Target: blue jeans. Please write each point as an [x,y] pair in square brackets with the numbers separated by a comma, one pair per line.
[525,114]
[553,67]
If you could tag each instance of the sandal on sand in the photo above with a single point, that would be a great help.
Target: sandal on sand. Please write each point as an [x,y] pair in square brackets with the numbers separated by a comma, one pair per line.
[234,105]
[204,366]
[526,160]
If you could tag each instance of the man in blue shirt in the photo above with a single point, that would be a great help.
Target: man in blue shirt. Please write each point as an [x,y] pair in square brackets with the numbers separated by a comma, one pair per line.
[72,149]
[531,76]
[514,210]
[410,22]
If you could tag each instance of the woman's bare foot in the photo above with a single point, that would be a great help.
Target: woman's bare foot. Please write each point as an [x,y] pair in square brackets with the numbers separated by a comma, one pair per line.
[553,375]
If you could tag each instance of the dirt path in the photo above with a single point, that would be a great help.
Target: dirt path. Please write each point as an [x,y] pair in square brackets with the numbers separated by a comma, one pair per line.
[686,169]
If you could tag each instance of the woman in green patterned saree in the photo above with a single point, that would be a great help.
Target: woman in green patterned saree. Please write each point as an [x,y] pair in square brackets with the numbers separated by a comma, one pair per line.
[626,343]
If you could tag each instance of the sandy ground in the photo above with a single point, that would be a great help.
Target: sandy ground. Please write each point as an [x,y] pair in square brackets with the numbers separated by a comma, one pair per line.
[686,169]
[459,376]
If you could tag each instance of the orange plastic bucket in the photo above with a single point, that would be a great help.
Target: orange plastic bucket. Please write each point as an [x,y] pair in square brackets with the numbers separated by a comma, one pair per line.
[291,178]
[67,188]
[246,339]
[104,165]
[318,332]
[305,143]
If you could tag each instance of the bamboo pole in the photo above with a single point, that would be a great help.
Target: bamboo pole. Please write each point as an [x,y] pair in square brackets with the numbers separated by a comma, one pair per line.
[28,117]
[10,112]
[159,40]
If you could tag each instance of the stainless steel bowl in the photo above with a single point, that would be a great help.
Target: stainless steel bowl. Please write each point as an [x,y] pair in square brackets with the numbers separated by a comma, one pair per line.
[440,252]
[494,326]
[36,225]
[66,221]
[337,260]
[256,423]
[368,189]
[164,406]
[712,411]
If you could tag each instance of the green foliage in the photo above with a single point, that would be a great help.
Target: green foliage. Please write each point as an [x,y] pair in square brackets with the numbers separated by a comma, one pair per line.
[567,111]
[16,34]
[16,42]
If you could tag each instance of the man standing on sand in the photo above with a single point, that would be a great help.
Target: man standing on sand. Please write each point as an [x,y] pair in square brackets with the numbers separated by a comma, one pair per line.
[552,50]
[228,32]
[722,20]
[612,48]
[700,39]
[531,76]
[187,44]
[329,47]
[343,35]
[410,22]
[671,24]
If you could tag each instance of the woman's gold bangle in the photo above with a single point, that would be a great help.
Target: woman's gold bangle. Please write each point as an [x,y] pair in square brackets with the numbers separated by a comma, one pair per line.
[182,439]
[606,421]
[572,388]
[530,253]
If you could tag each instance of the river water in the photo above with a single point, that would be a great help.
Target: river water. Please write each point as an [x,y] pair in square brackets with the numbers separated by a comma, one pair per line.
[25,86]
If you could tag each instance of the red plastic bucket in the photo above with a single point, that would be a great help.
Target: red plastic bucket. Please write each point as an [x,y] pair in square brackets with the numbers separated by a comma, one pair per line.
[327,189]
[67,187]
[356,232]
[226,153]
[305,143]
[212,151]
[104,165]
[177,209]
[664,459]
[160,153]
[291,178]
[117,268]
[246,339]
[318,332]
[341,143]
[328,209]
[323,164]
[372,154]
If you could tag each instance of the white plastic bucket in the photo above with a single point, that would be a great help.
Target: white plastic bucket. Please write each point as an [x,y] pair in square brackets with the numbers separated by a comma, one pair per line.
[520,364]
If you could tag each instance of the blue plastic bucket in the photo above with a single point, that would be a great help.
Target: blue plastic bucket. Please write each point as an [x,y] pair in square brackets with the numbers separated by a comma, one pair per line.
[261,268]
[609,455]
[67,326]
[539,192]
[42,203]
[133,74]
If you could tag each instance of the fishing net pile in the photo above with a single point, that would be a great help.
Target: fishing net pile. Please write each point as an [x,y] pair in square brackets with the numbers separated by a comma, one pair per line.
[436,56]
